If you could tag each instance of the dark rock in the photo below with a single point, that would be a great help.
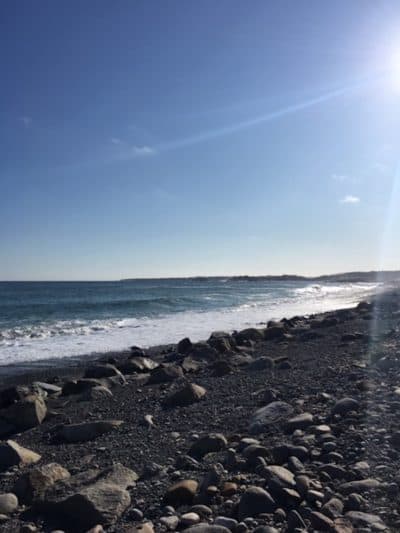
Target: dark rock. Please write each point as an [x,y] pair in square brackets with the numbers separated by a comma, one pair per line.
[99,371]
[165,374]
[221,341]
[249,334]
[320,522]
[221,368]
[344,406]
[282,452]
[254,502]
[214,442]
[90,498]
[12,395]
[188,394]
[295,522]
[28,413]
[181,493]
[86,431]
[80,386]
[184,346]
[204,352]
[137,364]
[274,331]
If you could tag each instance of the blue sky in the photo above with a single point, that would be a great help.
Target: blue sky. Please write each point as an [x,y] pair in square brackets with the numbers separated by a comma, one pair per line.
[144,138]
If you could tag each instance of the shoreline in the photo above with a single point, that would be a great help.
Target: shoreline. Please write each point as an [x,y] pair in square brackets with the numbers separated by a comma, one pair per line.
[70,366]
[293,423]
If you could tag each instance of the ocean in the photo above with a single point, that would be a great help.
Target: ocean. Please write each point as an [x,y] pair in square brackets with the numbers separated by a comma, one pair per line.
[51,320]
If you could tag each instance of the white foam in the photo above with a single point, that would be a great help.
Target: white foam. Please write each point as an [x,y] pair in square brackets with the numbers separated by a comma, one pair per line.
[77,337]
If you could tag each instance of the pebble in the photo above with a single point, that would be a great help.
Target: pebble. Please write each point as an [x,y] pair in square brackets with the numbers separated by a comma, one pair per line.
[8,503]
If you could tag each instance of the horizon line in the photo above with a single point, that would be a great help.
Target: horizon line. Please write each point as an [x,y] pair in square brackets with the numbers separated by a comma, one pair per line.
[199,276]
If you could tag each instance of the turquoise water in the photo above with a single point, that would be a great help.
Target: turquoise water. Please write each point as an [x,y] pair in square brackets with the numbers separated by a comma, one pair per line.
[61,319]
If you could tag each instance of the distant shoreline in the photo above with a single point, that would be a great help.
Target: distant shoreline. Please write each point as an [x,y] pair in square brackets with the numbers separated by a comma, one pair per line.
[345,277]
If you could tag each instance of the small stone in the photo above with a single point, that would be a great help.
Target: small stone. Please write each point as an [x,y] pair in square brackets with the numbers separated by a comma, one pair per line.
[295,521]
[333,508]
[8,503]
[86,431]
[360,519]
[189,519]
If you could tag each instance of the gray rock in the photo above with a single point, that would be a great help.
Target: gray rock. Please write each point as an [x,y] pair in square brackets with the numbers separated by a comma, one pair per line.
[300,422]
[229,523]
[361,485]
[360,519]
[272,413]
[8,503]
[206,528]
[86,431]
[333,508]
[278,478]
[255,501]
[184,346]
[90,498]
[32,485]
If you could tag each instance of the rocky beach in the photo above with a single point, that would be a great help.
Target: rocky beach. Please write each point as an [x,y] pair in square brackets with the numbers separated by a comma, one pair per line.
[292,426]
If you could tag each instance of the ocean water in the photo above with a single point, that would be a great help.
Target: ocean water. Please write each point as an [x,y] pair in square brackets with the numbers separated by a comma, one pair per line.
[62,319]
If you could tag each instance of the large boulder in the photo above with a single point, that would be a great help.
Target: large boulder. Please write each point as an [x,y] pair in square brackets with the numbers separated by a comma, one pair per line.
[188,394]
[12,454]
[86,431]
[32,485]
[272,413]
[89,498]
[26,414]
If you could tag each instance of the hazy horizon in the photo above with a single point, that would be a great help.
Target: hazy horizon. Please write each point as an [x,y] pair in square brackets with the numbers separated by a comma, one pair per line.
[182,139]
